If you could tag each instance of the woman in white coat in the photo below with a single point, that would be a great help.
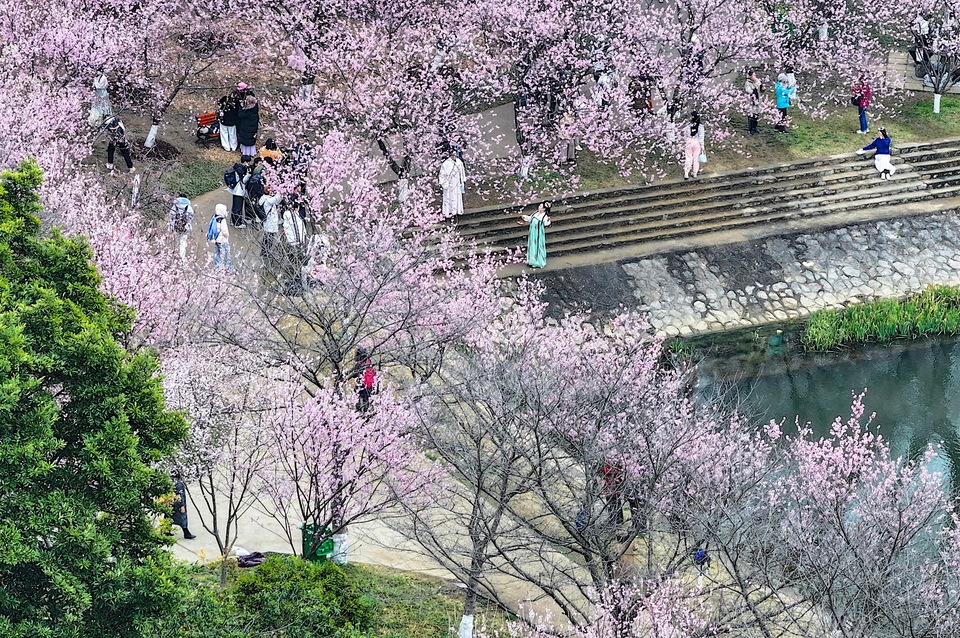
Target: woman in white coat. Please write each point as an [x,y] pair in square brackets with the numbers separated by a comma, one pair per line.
[452,179]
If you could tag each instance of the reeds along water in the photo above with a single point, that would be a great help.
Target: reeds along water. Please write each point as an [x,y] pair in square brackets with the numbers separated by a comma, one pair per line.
[933,312]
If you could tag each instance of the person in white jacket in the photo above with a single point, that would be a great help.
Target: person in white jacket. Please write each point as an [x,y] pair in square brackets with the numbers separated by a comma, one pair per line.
[452,180]
[269,202]
[218,234]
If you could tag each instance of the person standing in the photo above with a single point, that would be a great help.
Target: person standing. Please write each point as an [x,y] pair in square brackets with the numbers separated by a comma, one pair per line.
[861,99]
[181,223]
[218,234]
[228,112]
[882,159]
[101,108]
[452,180]
[117,141]
[753,86]
[295,234]
[180,507]
[537,239]
[784,94]
[236,182]
[693,147]
[269,202]
[248,125]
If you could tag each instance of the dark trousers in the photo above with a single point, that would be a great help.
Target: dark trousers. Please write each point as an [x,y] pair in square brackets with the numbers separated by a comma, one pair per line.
[236,213]
[124,153]
[753,120]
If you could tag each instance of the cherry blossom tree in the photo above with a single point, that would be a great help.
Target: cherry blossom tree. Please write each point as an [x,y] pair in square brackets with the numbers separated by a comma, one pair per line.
[230,406]
[332,465]
[397,281]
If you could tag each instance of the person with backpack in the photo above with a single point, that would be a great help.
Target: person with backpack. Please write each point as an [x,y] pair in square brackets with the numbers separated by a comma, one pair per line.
[181,217]
[861,99]
[235,180]
[365,378]
[228,110]
[218,234]
[117,141]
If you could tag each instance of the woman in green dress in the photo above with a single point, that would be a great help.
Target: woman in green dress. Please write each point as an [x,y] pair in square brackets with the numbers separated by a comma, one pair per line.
[537,240]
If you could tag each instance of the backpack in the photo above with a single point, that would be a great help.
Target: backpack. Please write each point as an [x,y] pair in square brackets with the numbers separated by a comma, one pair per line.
[369,378]
[255,186]
[180,220]
[231,179]
[213,229]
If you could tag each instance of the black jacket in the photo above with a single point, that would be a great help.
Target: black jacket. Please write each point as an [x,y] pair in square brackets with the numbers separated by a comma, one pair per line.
[180,504]
[248,123]
[229,109]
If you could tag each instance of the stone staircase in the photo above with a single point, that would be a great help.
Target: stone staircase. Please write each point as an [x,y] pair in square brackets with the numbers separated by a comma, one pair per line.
[637,221]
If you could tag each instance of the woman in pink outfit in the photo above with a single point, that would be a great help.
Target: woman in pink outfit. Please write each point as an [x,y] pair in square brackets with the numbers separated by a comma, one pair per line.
[693,146]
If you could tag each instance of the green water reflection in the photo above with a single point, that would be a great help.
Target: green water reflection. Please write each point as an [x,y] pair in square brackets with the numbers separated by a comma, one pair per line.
[914,389]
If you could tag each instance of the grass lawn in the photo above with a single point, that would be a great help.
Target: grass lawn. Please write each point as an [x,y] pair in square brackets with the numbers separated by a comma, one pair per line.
[413,606]
[807,137]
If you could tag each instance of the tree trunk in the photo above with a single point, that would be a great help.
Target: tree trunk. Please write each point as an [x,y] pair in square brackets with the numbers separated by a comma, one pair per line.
[469,606]
[340,550]
[151,140]
[466,626]
[936,102]
[135,191]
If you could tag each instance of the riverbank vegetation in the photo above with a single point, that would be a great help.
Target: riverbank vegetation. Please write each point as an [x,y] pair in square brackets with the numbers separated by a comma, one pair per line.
[933,312]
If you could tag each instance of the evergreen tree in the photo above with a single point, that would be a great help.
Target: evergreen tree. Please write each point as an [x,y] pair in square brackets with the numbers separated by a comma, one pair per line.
[82,424]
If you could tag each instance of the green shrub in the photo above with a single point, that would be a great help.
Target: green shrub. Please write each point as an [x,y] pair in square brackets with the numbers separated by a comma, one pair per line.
[303,598]
[935,311]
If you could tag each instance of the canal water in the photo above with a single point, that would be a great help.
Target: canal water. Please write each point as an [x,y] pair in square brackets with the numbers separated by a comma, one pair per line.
[914,389]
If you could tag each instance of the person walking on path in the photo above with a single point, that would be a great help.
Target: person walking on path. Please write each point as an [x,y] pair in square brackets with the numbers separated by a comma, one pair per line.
[218,234]
[537,239]
[753,87]
[117,141]
[693,147]
[248,125]
[452,180]
[229,112]
[882,159]
[180,507]
[861,99]
[181,223]
[785,94]
[235,180]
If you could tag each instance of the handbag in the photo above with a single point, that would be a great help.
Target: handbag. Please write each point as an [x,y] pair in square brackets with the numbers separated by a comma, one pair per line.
[855,100]
[702,159]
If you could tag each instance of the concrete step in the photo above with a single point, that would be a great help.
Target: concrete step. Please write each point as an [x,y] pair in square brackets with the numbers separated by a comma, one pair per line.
[561,240]
[636,219]
[695,218]
[730,222]
[669,192]
[703,201]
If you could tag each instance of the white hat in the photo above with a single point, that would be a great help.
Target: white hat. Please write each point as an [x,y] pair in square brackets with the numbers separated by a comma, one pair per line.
[221,210]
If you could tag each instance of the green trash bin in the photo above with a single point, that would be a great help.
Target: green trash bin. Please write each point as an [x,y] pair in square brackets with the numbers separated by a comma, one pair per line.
[322,552]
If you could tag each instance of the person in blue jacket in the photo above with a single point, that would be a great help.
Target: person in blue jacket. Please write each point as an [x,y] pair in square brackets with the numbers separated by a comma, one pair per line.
[784,92]
[882,159]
